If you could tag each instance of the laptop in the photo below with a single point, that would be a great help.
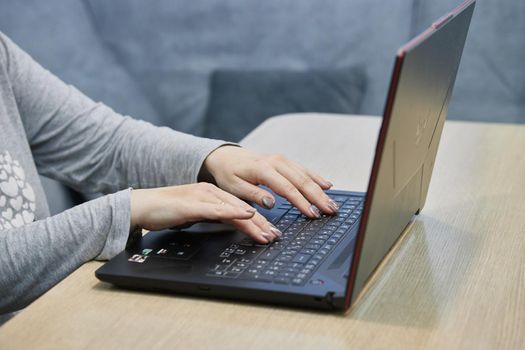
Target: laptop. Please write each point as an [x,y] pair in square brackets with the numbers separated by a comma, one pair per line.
[323,263]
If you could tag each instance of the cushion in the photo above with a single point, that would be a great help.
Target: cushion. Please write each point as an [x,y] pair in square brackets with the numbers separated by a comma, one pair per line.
[240,100]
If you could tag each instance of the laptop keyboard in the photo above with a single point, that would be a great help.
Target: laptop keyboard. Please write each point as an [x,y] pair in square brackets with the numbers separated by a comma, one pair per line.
[294,257]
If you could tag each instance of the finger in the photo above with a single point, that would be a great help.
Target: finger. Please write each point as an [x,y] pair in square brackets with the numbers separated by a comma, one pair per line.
[253,231]
[266,226]
[324,184]
[221,211]
[283,187]
[235,201]
[308,187]
[212,194]
[253,193]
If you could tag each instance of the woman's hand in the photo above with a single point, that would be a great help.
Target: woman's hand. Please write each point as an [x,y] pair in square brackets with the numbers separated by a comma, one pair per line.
[239,171]
[159,208]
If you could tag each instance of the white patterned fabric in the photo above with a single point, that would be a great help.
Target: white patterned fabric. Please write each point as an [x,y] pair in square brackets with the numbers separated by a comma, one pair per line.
[17,198]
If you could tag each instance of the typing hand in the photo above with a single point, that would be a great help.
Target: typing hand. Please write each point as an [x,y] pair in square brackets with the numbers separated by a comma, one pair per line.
[239,171]
[159,208]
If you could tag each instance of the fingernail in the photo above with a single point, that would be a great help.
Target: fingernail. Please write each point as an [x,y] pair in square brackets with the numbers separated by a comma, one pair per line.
[276,231]
[329,184]
[315,211]
[333,205]
[251,210]
[268,202]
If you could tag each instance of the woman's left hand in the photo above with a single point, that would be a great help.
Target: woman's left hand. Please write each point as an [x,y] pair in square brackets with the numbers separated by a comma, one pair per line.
[239,171]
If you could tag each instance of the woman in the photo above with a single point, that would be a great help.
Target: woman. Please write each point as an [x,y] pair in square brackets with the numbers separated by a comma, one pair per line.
[51,128]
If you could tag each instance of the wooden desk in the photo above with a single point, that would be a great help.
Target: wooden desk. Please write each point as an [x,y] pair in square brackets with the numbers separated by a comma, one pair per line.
[456,280]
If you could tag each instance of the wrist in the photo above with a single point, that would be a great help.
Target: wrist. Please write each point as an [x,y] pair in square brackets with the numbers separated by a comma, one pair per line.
[135,229]
[135,233]
[136,208]
[211,163]
[204,174]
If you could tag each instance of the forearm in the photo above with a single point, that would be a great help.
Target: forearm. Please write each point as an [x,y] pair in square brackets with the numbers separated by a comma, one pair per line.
[37,256]
[102,151]
[150,156]
[89,146]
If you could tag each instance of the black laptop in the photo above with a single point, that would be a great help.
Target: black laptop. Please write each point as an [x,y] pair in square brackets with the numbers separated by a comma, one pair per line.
[321,263]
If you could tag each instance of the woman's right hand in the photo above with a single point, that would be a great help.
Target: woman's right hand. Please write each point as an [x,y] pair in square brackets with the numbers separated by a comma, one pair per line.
[164,207]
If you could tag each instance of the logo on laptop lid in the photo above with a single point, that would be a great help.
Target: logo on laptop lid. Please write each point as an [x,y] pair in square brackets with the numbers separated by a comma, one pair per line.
[421,126]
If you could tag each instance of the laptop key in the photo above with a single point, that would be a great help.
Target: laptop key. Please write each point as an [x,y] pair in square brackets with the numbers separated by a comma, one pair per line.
[287,274]
[217,273]
[247,243]
[291,270]
[231,274]
[297,281]
[313,246]
[297,254]
[282,280]
[269,254]
[332,241]
[258,277]
[218,267]
[285,258]
[322,252]
[314,261]
[236,269]
[302,258]
[338,235]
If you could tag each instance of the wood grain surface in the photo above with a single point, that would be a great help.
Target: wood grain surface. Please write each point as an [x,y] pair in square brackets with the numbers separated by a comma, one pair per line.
[455,281]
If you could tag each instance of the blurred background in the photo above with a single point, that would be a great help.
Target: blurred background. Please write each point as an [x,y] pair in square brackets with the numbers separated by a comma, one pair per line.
[218,68]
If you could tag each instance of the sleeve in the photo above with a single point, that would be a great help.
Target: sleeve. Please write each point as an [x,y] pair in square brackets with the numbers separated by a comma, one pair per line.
[91,148]
[88,146]
[37,256]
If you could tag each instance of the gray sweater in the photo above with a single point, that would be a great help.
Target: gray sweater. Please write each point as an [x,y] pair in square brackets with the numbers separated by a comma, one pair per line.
[49,127]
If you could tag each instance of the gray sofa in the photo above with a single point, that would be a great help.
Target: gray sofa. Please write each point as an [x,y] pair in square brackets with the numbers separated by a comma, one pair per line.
[219,68]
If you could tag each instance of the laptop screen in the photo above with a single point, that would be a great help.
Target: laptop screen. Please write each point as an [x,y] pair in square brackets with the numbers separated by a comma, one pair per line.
[416,108]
